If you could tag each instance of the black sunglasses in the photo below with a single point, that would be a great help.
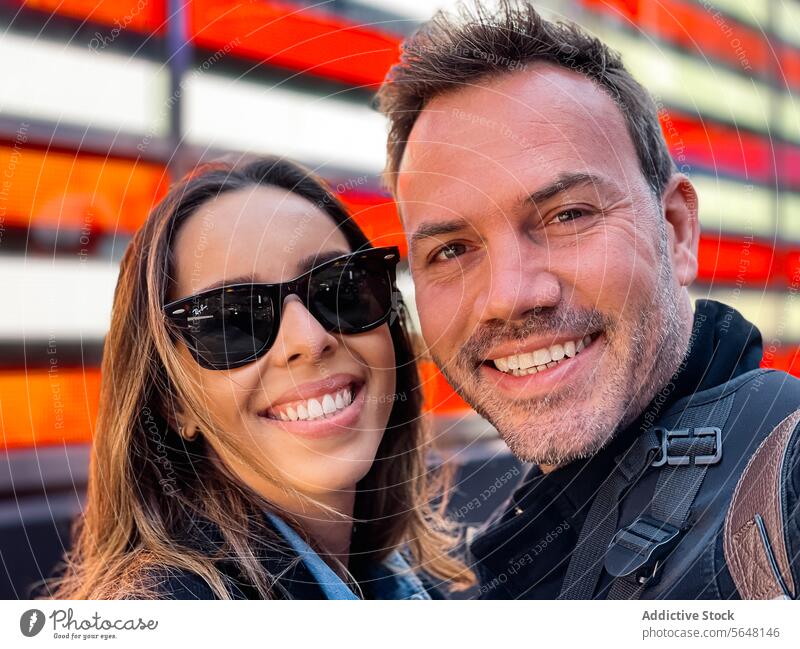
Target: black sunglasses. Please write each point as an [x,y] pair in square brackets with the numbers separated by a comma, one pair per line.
[231,326]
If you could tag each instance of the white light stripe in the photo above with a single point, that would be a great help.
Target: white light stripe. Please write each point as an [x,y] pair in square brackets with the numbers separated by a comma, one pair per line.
[66,83]
[235,114]
[726,205]
[789,117]
[66,299]
[755,12]
[789,210]
[692,83]
[787,21]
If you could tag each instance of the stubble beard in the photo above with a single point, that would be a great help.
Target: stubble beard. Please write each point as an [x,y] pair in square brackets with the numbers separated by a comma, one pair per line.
[564,425]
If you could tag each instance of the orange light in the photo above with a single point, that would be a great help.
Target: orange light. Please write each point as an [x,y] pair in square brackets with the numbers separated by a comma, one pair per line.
[81,192]
[47,406]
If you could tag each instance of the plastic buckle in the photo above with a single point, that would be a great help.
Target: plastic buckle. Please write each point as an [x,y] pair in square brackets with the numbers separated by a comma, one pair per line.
[679,460]
[640,548]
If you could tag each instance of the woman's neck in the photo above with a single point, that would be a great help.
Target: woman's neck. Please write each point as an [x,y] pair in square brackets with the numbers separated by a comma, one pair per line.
[331,530]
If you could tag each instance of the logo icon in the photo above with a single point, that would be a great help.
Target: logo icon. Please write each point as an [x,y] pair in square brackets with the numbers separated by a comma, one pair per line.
[31,622]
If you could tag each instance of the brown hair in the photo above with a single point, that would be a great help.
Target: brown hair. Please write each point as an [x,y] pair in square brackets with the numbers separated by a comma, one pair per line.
[472,44]
[148,486]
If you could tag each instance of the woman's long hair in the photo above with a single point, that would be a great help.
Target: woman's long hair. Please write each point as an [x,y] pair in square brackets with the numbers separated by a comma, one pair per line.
[148,487]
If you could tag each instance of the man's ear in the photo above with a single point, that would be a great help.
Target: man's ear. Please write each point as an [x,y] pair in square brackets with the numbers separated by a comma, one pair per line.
[679,203]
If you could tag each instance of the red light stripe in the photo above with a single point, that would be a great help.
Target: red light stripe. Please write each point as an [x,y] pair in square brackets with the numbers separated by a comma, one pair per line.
[750,263]
[292,37]
[717,147]
[139,15]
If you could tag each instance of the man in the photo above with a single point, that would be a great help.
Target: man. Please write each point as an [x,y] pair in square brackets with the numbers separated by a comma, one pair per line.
[552,241]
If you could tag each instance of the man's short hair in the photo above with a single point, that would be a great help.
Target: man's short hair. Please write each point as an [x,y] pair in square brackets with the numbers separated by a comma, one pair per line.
[477,42]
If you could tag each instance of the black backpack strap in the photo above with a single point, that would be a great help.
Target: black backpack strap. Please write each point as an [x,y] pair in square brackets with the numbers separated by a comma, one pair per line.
[637,552]
[586,562]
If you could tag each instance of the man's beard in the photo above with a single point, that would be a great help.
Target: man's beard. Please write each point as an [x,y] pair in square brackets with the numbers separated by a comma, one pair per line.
[555,429]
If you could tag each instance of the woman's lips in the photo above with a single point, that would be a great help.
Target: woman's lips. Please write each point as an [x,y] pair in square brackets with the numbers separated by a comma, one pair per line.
[334,423]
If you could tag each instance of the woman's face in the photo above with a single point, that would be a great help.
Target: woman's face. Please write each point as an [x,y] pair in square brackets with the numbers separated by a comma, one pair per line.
[273,235]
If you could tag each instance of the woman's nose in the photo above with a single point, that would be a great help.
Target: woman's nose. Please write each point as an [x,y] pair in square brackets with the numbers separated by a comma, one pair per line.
[301,336]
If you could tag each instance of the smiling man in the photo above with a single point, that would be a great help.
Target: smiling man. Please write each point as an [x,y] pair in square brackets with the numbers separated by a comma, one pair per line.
[552,241]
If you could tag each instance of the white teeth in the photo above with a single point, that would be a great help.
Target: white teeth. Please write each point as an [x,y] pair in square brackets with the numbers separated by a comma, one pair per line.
[541,356]
[541,359]
[327,404]
[314,409]
[525,361]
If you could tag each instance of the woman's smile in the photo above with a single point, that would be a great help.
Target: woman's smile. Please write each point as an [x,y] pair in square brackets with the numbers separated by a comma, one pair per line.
[317,409]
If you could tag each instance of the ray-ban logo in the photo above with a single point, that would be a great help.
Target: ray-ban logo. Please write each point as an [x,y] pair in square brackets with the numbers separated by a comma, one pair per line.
[31,622]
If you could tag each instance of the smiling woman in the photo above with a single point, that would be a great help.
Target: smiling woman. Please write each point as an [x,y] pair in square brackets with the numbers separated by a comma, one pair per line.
[259,433]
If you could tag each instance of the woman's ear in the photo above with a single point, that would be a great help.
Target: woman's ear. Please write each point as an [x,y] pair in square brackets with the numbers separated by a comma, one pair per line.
[186,426]
[680,208]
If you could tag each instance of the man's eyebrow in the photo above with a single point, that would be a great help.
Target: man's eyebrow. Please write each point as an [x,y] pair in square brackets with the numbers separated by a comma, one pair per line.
[437,229]
[304,265]
[563,183]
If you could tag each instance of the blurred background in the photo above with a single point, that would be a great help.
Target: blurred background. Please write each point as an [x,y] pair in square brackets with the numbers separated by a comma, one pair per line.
[104,103]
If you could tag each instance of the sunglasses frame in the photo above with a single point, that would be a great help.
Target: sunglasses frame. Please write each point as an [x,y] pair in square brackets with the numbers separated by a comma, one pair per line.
[177,311]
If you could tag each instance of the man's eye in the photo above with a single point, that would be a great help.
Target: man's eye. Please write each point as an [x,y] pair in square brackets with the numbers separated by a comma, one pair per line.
[449,251]
[568,215]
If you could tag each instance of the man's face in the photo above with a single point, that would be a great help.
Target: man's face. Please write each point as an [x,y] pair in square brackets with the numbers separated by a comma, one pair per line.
[548,276]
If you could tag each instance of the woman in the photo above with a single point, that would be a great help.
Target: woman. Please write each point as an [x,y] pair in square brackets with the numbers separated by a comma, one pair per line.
[259,433]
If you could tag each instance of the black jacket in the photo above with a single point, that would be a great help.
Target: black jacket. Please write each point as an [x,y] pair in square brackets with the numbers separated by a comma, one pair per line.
[279,559]
[524,550]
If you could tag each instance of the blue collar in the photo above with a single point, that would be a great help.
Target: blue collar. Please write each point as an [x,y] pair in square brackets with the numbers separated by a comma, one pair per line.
[390,579]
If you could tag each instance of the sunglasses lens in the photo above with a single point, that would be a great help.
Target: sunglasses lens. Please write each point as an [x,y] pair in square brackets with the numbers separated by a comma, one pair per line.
[352,296]
[230,326]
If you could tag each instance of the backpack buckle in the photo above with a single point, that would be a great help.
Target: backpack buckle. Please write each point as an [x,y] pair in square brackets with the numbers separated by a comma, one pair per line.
[685,437]
[639,549]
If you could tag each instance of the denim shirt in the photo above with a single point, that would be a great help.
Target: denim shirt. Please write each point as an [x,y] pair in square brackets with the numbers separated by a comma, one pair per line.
[391,579]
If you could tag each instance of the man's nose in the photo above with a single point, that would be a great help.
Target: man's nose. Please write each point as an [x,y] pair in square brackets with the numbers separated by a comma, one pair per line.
[518,279]
[301,337]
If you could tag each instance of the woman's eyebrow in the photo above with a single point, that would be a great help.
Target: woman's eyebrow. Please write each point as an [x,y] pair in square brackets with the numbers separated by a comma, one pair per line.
[303,266]
[307,263]
[230,281]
